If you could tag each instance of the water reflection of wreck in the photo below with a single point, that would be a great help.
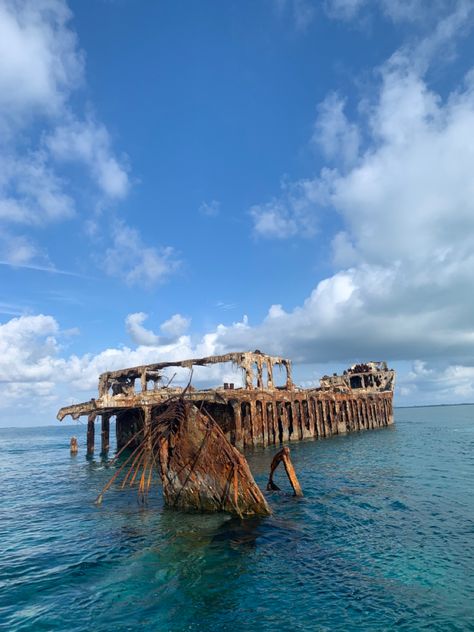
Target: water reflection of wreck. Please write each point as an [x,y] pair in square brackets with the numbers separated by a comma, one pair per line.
[256,414]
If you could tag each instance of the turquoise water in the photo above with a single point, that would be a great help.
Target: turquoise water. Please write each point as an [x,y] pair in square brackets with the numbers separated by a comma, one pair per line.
[382,540]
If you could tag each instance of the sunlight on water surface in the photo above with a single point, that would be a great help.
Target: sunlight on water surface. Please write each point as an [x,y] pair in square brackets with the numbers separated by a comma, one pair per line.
[383,539]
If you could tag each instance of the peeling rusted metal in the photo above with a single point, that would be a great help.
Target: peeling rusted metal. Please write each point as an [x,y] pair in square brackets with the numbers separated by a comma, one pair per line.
[283,456]
[195,435]
[259,413]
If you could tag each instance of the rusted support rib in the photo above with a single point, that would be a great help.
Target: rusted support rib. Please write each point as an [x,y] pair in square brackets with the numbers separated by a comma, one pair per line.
[272,433]
[269,374]
[373,420]
[311,419]
[254,424]
[353,409]
[365,423]
[285,423]
[147,426]
[90,434]
[143,381]
[105,432]
[359,414]
[262,411]
[73,445]
[284,456]
[238,437]
[318,404]
[293,410]
[340,418]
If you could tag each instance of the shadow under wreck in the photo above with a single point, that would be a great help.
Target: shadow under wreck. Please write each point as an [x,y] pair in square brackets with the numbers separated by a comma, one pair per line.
[195,437]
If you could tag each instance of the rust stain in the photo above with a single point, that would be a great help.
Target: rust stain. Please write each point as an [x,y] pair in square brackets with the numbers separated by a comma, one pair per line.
[199,459]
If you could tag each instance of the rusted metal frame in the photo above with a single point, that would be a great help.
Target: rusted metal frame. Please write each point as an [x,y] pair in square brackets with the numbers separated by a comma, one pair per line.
[378,415]
[332,416]
[91,434]
[340,417]
[147,426]
[262,420]
[283,456]
[318,403]
[311,420]
[305,419]
[359,414]
[290,428]
[350,416]
[372,414]
[294,410]
[314,417]
[246,423]
[238,435]
[105,433]
[254,430]
[280,417]
[269,416]
[363,410]
[383,412]
[269,374]
[326,417]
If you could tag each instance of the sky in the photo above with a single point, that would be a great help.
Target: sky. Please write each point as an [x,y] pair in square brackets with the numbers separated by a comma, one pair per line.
[179,179]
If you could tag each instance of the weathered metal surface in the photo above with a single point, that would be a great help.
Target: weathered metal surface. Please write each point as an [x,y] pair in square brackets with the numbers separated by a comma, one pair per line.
[283,456]
[259,413]
[201,470]
[73,447]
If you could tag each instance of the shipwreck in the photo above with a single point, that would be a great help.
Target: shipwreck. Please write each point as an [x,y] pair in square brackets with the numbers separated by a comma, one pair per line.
[195,437]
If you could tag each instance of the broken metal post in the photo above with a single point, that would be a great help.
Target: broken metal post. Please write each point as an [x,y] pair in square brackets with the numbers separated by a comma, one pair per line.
[143,381]
[284,456]
[248,378]
[269,374]
[259,375]
[105,433]
[289,380]
[147,426]
[73,445]
[238,436]
[90,434]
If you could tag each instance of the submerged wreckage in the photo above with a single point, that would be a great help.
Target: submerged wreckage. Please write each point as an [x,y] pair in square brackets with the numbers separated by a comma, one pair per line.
[196,436]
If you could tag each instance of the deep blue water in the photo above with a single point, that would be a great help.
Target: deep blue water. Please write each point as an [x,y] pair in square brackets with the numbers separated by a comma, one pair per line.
[382,540]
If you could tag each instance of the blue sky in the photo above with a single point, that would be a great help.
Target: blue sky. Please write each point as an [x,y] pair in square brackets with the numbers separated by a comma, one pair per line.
[188,178]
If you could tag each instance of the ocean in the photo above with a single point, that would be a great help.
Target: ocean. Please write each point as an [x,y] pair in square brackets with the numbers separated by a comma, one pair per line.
[383,539]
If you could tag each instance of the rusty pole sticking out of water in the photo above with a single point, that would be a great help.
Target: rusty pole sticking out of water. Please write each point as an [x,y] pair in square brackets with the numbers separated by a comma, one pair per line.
[90,434]
[284,456]
[105,432]
[73,445]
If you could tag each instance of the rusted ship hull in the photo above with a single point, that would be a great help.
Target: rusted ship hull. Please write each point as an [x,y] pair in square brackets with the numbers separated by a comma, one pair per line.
[258,414]
[262,420]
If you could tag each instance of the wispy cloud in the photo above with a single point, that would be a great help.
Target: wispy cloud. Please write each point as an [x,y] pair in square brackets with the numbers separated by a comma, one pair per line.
[138,264]
[10,309]
[226,306]
[40,268]
[210,209]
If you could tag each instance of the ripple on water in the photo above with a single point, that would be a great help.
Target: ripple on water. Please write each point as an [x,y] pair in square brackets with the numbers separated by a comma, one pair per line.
[382,540]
